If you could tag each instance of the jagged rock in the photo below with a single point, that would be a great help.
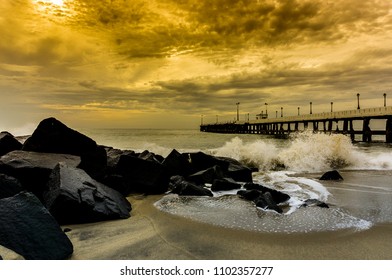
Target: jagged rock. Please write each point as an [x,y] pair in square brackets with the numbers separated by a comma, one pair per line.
[33,169]
[177,164]
[52,136]
[201,161]
[147,155]
[180,186]
[224,184]
[9,186]
[143,176]
[27,228]
[314,202]
[207,176]
[265,201]
[331,175]
[113,156]
[8,143]
[278,196]
[237,171]
[251,195]
[74,197]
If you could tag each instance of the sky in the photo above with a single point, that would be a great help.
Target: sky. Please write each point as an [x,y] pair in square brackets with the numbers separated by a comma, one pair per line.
[172,63]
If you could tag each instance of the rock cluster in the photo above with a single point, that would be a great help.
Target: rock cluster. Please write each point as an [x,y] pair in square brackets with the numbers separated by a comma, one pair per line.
[59,176]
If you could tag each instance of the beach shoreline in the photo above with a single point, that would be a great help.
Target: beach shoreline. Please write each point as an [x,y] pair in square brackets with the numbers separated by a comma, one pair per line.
[151,234]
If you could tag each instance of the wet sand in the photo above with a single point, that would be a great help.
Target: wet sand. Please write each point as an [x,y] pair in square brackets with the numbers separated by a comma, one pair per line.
[151,234]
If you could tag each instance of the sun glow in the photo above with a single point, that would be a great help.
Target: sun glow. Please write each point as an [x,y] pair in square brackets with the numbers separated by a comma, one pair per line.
[54,2]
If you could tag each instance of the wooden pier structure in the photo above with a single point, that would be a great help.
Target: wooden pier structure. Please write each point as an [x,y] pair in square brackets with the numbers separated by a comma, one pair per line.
[342,122]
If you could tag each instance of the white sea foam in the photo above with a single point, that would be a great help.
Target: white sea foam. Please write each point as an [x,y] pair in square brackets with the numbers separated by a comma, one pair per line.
[306,152]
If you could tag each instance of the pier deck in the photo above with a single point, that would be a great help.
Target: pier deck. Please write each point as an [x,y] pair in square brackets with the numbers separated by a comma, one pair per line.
[331,122]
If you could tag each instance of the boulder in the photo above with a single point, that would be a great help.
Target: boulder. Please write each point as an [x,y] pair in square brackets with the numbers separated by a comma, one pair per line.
[236,170]
[8,143]
[143,176]
[52,136]
[74,197]
[9,186]
[277,196]
[201,161]
[251,195]
[113,156]
[225,184]
[177,164]
[314,202]
[33,169]
[180,186]
[331,175]
[265,201]
[207,176]
[27,228]
[147,155]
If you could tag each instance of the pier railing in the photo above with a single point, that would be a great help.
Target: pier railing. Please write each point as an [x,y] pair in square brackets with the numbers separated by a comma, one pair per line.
[323,122]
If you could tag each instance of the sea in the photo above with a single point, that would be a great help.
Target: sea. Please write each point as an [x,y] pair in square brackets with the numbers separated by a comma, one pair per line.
[293,165]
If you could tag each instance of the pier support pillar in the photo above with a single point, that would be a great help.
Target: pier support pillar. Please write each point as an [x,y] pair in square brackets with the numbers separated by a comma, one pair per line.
[388,131]
[352,132]
[367,133]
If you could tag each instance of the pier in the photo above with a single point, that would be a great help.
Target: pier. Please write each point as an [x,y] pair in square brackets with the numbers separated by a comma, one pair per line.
[350,122]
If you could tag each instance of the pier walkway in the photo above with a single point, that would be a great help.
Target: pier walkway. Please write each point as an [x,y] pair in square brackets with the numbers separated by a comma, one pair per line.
[350,122]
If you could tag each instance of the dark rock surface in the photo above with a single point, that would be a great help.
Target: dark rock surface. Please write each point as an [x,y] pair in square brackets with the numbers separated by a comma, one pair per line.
[143,176]
[224,184]
[147,155]
[27,228]
[9,186]
[265,201]
[180,186]
[207,176]
[74,197]
[331,175]
[236,170]
[33,169]
[177,164]
[52,136]
[314,202]
[8,143]
[262,199]
[201,161]
[277,196]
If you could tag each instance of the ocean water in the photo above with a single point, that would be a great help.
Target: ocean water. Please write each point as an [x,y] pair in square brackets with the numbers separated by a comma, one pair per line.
[294,166]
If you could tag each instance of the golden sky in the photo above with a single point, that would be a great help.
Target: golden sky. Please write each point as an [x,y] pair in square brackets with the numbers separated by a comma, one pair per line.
[164,63]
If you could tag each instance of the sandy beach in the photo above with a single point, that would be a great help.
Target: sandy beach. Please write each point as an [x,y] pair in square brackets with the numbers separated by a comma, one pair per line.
[151,234]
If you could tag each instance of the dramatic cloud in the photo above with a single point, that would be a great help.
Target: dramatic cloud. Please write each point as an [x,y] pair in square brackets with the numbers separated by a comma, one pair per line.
[153,63]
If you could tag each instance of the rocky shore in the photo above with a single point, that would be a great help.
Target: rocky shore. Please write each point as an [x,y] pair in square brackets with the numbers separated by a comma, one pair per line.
[59,176]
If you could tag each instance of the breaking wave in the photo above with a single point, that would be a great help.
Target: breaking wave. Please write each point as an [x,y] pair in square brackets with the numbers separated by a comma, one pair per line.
[306,152]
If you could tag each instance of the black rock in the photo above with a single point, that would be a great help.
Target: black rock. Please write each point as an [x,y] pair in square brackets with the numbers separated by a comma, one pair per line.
[251,195]
[224,184]
[117,182]
[27,228]
[9,186]
[8,143]
[265,201]
[314,202]
[52,136]
[331,175]
[147,155]
[180,186]
[113,156]
[278,196]
[74,197]
[143,176]
[201,161]
[207,176]
[1,258]
[236,170]
[177,164]
[33,169]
